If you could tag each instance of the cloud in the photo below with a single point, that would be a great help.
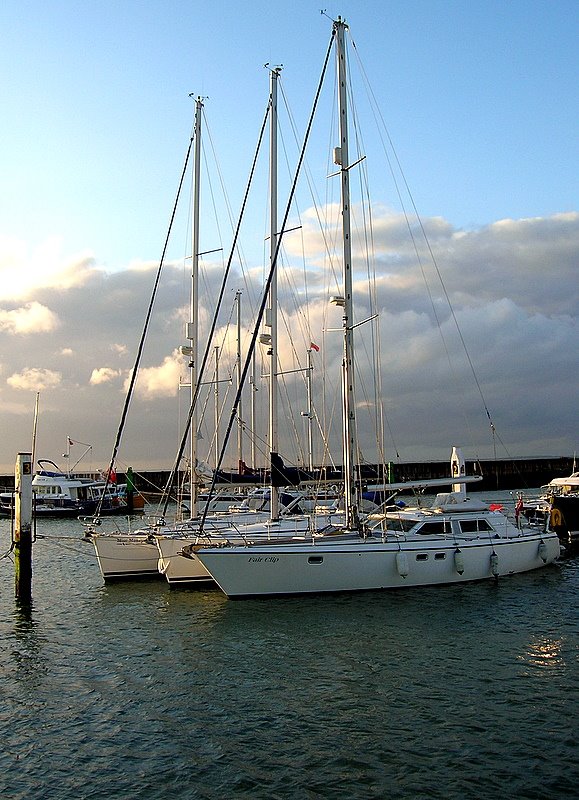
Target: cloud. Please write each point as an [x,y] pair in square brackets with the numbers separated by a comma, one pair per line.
[161,381]
[29,319]
[25,270]
[514,294]
[103,375]
[33,379]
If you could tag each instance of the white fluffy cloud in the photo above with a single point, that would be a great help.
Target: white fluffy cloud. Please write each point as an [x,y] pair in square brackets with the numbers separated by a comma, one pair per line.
[25,270]
[34,379]
[163,380]
[514,294]
[103,375]
[31,318]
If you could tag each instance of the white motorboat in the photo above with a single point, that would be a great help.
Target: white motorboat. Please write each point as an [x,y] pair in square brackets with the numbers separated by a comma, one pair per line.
[58,493]
[454,541]
[557,507]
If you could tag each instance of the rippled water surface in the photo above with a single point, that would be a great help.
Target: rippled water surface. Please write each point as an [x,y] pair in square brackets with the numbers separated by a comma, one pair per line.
[139,691]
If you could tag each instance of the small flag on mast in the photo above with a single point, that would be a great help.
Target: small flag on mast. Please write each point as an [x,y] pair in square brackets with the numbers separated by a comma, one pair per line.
[314,347]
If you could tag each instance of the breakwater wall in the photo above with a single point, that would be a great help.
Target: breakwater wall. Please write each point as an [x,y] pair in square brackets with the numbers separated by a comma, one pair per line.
[524,473]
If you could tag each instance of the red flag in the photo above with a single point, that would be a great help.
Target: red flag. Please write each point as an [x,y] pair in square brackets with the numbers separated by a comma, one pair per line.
[112,476]
[314,347]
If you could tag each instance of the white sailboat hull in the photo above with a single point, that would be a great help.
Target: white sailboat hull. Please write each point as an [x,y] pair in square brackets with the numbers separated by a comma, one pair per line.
[182,570]
[348,566]
[177,569]
[126,556]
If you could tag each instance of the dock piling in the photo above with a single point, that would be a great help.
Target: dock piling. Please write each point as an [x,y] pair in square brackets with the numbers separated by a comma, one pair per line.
[23,528]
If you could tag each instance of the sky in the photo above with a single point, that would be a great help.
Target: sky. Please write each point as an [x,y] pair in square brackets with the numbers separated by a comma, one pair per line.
[480,99]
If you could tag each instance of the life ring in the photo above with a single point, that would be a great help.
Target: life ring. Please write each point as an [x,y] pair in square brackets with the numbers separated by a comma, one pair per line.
[556,518]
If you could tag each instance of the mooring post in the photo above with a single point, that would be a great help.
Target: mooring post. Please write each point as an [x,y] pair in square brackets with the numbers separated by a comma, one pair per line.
[23,527]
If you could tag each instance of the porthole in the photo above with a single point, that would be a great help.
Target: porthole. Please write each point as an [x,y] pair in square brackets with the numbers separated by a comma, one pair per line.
[439,556]
[315,559]
[422,556]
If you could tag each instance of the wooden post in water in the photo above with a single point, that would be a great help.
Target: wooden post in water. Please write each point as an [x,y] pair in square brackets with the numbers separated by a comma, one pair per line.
[23,528]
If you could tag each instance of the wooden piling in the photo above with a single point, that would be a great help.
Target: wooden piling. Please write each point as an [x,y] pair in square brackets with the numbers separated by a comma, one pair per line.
[23,528]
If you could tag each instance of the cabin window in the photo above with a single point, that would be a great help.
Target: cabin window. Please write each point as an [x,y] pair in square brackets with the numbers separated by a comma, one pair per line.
[315,559]
[475,525]
[439,556]
[399,525]
[422,556]
[437,527]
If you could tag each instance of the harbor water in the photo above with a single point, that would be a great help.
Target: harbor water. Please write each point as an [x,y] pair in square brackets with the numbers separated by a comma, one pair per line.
[138,691]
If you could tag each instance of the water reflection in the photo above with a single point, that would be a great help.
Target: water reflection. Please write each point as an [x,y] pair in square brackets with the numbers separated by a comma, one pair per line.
[25,642]
[545,653]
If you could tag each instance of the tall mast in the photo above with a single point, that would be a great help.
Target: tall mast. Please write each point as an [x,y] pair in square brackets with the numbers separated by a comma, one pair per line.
[271,314]
[35,428]
[193,324]
[216,407]
[238,371]
[341,158]
[253,389]
[310,413]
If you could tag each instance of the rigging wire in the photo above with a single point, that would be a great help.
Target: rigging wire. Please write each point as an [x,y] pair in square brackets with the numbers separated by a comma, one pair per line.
[376,111]
[135,370]
[238,246]
[367,248]
[171,479]
[269,278]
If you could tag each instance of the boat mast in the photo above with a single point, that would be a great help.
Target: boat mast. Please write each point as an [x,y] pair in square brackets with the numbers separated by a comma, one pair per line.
[35,428]
[216,406]
[193,324]
[271,313]
[239,382]
[253,389]
[341,159]
[309,414]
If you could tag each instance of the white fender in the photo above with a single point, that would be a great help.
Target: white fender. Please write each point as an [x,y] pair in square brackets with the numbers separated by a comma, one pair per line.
[458,561]
[402,564]
[495,564]
[543,551]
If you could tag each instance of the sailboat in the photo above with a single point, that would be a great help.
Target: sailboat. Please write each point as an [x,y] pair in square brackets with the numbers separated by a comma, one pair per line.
[157,549]
[456,540]
[177,544]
